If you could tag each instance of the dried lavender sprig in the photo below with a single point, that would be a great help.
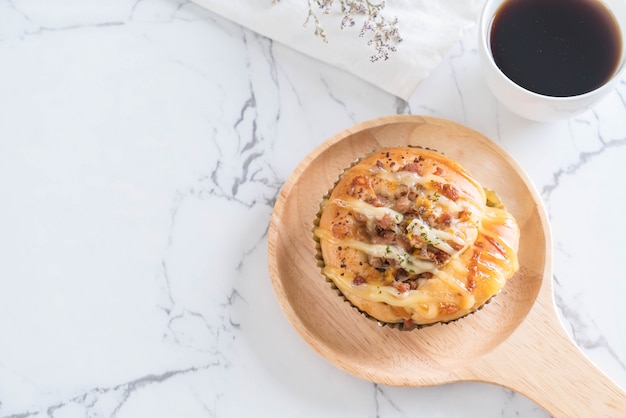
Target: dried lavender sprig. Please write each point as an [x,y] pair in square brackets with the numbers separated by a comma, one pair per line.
[385,33]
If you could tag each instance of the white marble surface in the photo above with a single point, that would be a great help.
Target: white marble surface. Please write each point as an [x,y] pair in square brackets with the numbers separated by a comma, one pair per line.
[142,145]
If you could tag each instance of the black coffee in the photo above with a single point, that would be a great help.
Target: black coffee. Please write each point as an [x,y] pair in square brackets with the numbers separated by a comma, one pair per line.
[556,47]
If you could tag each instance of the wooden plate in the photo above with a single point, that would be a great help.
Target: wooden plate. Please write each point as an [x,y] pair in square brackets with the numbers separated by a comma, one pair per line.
[492,345]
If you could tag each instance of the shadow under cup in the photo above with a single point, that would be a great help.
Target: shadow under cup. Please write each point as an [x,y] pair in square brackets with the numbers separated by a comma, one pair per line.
[529,104]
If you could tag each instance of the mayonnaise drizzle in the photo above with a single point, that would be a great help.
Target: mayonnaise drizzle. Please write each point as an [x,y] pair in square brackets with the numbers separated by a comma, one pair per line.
[435,237]
[371,211]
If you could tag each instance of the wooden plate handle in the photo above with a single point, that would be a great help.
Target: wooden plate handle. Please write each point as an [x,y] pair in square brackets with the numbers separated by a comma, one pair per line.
[540,361]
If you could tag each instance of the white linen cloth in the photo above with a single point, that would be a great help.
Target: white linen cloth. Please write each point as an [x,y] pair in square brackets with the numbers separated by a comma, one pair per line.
[428,29]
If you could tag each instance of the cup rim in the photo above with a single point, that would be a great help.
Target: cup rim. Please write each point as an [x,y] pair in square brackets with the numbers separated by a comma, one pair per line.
[484,25]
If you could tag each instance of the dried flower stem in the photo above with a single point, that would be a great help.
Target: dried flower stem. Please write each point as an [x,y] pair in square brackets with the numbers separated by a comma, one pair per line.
[319,30]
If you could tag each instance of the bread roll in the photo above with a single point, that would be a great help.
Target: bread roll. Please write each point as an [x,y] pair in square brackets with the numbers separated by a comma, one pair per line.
[409,237]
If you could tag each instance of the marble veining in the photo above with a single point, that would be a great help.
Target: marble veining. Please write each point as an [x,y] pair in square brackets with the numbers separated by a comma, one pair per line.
[143,144]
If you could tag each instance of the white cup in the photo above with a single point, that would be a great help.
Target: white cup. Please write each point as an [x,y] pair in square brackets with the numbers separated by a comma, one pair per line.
[535,106]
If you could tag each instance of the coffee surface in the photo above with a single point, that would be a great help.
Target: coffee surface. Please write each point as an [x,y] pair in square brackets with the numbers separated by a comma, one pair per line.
[556,47]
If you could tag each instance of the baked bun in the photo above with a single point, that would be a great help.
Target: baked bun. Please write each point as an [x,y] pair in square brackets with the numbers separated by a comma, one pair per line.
[409,237]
